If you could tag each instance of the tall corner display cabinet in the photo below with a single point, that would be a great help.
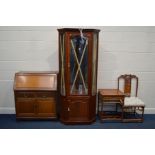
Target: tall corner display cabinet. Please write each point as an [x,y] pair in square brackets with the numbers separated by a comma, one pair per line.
[78,57]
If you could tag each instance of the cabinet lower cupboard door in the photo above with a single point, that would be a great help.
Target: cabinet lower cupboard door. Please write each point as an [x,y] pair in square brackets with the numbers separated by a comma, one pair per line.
[78,110]
[38,108]
[25,108]
[46,108]
[75,110]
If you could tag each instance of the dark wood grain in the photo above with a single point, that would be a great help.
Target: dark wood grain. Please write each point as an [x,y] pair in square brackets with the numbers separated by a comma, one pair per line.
[76,108]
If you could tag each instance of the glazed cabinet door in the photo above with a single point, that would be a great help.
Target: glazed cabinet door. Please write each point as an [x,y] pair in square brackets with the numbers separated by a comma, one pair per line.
[79,63]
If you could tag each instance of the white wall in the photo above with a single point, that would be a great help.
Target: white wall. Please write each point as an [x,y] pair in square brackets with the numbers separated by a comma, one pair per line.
[121,50]
[24,49]
[129,50]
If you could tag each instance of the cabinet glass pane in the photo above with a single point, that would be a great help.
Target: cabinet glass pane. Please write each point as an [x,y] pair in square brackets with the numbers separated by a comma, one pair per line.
[62,64]
[94,63]
[79,65]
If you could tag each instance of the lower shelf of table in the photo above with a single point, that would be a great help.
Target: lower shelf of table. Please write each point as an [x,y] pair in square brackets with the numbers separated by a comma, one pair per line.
[110,115]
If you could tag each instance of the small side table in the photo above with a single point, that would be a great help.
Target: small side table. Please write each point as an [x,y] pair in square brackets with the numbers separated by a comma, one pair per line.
[106,96]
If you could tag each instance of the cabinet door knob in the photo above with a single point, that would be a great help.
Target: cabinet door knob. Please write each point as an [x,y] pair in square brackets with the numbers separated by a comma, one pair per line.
[68,109]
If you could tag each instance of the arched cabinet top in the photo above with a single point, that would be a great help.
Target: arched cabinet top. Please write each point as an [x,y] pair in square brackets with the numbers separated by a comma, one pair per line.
[63,30]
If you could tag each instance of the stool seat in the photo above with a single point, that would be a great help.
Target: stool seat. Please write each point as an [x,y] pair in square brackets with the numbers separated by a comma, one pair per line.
[133,101]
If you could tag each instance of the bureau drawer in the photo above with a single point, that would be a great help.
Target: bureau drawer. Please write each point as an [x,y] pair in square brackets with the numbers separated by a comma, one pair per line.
[25,94]
[45,94]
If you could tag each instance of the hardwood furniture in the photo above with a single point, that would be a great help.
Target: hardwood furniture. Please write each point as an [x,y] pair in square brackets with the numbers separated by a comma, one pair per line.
[35,95]
[78,53]
[133,107]
[108,97]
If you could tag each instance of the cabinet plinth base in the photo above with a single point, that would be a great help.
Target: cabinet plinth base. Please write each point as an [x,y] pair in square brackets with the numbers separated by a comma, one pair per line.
[88,122]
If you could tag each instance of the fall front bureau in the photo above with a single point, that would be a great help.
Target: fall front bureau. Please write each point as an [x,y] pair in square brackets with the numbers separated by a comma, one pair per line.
[35,95]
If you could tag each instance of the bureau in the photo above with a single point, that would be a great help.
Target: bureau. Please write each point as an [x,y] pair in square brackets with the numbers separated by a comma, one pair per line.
[35,95]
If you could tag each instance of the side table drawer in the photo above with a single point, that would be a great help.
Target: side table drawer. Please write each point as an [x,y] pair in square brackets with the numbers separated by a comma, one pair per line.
[111,98]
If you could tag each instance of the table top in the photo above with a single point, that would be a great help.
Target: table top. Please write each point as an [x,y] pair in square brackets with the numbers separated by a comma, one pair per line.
[111,92]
